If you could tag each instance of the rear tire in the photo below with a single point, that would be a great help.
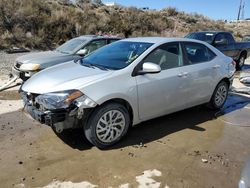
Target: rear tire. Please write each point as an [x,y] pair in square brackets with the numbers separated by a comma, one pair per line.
[240,62]
[219,96]
[107,125]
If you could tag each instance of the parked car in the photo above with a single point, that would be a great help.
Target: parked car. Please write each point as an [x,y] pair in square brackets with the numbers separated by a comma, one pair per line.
[27,65]
[245,176]
[128,82]
[246,38]
[224,41]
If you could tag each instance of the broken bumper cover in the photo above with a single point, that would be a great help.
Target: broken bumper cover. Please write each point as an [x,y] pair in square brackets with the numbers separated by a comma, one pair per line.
[59,120]
[47,117]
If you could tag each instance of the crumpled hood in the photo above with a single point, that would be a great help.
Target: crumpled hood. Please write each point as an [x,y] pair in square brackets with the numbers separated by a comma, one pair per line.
[42,57]
[63,77]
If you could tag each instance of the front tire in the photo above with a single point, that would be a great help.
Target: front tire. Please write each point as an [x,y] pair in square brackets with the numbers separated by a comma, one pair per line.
[107,125]
[219,96]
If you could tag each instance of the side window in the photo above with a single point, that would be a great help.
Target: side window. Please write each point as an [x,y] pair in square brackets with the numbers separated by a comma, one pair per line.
[167,56]
[94,45]
[229,38]
[112,40]
[197,53]
[219,38]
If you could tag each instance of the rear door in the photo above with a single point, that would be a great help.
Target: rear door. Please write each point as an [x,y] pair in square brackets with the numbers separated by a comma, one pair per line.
[199,73]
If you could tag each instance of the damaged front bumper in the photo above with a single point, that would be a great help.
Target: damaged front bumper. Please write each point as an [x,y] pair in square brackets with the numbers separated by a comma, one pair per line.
[59,119]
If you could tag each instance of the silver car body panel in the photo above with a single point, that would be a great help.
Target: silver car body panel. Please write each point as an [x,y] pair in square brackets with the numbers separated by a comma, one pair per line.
[149,95]
[70,76]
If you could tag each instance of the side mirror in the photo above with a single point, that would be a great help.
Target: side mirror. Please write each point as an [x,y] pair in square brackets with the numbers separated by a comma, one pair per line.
[220,42]
[82,52]
[149,68]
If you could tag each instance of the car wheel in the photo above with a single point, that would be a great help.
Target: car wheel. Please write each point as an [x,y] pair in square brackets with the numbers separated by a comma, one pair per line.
[107,125]
[240,62]
[219,96]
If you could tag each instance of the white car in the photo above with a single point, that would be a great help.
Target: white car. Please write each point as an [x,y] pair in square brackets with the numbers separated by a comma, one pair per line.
[128,82]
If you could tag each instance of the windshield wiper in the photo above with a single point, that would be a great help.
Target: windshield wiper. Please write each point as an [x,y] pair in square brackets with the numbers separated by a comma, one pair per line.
[92,65]
[80,61]
[98,66]
[62,51]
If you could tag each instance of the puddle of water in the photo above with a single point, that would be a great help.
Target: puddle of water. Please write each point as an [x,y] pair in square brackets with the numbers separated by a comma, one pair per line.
[10,95]
[236,111]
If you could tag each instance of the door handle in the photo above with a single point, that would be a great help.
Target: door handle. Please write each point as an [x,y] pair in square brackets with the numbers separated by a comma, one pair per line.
[216,66]
[183,74]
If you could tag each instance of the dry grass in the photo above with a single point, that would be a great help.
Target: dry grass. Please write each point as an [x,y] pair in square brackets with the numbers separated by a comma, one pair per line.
[43,24]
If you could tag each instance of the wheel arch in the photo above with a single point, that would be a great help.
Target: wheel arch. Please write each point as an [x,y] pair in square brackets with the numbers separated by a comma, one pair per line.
[227,80]
[211,103]
[123,102]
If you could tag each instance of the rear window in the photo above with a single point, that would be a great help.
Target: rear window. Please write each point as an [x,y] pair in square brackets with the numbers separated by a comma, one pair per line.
[197,53]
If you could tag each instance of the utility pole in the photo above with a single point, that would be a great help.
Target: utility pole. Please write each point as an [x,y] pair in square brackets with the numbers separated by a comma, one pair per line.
[238,18]
[243,11]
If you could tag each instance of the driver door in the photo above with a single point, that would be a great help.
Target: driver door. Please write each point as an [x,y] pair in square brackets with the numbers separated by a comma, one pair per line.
[158,94]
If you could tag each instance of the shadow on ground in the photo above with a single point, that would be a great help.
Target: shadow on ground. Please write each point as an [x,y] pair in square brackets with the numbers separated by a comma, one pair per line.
[161,127]
[148,131]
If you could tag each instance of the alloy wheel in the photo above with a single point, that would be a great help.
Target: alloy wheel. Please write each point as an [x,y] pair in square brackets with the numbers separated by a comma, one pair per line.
[110,126]
[221,95]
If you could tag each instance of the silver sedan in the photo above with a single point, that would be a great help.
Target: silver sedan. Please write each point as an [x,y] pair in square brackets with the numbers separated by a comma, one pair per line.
[128,82]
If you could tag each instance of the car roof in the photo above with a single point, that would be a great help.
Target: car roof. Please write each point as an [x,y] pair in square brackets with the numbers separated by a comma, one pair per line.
[159,40]
[91,37]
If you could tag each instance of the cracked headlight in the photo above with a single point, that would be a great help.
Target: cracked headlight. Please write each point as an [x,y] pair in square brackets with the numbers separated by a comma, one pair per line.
[85,102]
[29,67]
[58,100]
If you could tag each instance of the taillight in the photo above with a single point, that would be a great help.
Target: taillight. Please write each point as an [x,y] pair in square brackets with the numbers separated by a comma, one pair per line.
[233,63]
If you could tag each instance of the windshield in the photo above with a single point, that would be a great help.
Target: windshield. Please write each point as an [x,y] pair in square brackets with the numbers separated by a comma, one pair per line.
[117,55]
[206,37]
[71,46]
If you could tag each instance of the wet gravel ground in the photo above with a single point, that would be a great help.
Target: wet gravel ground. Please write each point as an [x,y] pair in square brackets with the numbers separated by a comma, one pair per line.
[194,148]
